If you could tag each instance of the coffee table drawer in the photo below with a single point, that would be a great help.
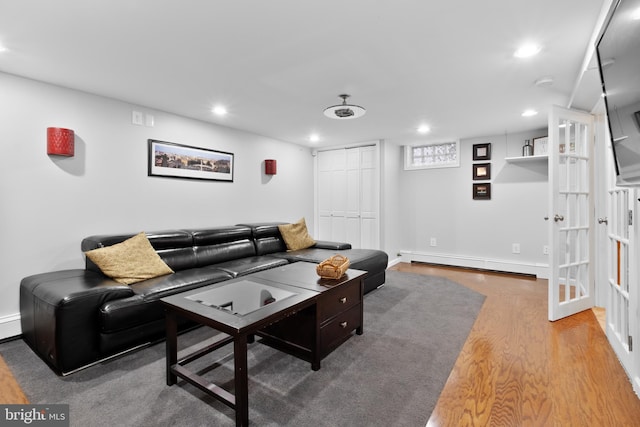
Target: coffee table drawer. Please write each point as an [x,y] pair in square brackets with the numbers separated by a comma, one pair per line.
[339,329]
[342,299]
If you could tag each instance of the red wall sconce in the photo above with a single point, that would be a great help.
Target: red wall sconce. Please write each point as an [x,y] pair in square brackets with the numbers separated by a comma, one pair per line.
[270,167]
[60,142]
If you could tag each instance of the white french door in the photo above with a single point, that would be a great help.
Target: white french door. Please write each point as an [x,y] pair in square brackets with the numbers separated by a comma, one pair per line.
[571,281]
[619,248]
[618,306]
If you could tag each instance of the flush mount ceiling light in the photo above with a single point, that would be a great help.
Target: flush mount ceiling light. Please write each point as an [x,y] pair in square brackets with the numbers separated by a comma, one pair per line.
[529,113]
[344,111]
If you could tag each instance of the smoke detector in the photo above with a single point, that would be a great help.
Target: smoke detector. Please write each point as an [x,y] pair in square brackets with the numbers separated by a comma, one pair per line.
[344,111]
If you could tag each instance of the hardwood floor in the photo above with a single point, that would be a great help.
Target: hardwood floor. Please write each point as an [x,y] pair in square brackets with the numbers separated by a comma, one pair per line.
[10,391]
[516,368]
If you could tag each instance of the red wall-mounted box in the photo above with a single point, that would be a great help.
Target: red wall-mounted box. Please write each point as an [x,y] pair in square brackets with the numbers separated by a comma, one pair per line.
[60,141]
[270,167]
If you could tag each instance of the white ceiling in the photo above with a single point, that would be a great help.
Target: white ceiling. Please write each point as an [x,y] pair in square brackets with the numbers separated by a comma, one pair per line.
[277,64]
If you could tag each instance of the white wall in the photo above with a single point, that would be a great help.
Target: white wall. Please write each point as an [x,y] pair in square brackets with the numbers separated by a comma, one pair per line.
[50,203]
[391,195]
[478,233]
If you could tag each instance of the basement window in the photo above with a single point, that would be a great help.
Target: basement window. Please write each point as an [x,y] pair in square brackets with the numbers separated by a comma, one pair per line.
[430,156]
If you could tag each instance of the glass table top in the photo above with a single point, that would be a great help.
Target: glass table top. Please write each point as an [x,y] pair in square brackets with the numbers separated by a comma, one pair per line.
[241,297]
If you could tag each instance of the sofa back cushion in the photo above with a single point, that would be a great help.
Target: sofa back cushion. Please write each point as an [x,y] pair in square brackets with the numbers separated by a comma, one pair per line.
[221,244]
[184,249]
[267,237]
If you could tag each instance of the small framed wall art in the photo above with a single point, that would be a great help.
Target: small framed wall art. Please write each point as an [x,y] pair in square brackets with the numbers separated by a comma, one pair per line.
[481,171]
[482,151]
[482,191]
[540,146]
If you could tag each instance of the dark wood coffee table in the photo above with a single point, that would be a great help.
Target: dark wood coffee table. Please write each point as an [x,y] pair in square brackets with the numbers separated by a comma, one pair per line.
[317,315]
[315,332]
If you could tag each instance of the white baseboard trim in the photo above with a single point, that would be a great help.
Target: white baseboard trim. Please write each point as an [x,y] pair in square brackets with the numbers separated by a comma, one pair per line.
[539,270]
[10,326]
[636,384]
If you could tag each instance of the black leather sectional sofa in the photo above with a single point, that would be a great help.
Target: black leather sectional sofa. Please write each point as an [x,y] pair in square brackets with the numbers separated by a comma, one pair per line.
[72,318]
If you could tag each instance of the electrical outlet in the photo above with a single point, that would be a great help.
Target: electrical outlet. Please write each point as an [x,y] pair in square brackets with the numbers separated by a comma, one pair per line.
[515,248]
[434,242]
[545,250]
[137,118]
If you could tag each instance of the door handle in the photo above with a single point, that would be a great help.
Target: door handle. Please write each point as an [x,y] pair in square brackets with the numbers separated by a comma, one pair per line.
[603,220]
[557,218]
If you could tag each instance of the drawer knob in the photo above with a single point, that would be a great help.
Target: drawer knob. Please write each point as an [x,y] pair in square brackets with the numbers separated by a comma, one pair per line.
[343,324]
[343,300]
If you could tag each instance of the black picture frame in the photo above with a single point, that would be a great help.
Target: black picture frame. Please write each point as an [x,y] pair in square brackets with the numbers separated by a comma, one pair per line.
[482,151]
[482,191]
[541,146]
[171,160]
[481,171]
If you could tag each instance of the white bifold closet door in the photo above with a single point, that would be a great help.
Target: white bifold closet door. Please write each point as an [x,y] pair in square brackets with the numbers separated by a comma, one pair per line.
[348,196]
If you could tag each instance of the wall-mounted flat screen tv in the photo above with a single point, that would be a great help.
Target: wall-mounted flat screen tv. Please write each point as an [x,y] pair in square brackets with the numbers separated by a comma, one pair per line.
[618,50]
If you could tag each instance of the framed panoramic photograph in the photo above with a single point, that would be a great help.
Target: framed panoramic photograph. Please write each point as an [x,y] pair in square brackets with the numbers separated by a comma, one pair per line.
[481,171]
[482,191]
[168,159]
[482,151]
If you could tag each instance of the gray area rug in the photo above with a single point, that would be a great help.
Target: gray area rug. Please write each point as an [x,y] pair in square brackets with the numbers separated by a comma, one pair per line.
[414,329]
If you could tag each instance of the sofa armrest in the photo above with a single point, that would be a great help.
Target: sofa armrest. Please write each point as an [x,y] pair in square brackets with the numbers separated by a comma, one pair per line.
[336,246]
[59,314]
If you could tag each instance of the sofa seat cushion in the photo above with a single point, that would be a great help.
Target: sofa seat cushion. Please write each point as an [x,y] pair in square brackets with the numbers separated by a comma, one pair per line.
[144,307]
[179,281]
[360,259]
[243,266]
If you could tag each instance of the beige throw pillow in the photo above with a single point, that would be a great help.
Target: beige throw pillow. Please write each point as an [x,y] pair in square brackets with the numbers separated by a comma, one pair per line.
[296,235]
[130,261]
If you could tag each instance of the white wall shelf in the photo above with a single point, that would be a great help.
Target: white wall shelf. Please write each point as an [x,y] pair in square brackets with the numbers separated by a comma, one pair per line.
[527,159]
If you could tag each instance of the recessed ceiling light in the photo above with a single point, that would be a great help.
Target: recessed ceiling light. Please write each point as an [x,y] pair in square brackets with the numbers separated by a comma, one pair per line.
[529,113]
[314,137]
[219,110]
[423,129]
[527,50]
